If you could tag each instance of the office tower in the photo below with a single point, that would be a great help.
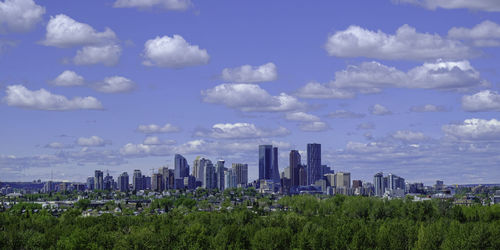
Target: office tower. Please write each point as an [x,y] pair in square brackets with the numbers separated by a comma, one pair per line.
[275,166]
[378,184]
[137,180]
[343,179]
[303,175]
[330,180]
[295,162]
[314,171]
[208,174]
[98,180]
[146,182]
[200,165]
[229,179]
[265,162]
[123,182]
[108,183]
[181,167]
[357,183]
[326,170]
[395,182]
[90,183]
[190,182]
[157,182]
[219,172]
[241,172]
[286,173]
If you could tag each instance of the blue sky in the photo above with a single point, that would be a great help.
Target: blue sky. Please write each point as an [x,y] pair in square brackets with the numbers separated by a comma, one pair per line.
[408,87]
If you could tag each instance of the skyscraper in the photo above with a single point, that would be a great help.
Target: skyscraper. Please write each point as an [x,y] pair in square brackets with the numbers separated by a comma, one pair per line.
[157,182]
[314,170]
[265,162]
[295,162]
[303,175]
[275,166]
[208,176]
[241,173]
[123,182]
[137,180]
[378,184]
[98,180]
[219,172]
[108,183]
[343,179]
[181,167]
[90,183]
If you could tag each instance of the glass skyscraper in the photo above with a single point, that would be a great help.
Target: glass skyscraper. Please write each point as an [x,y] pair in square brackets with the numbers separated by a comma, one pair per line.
[314,170]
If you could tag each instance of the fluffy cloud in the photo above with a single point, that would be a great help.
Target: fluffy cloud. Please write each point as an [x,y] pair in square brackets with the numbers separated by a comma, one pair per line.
[178,5]
[93,141]
[156,129]
[428,108]
[313,126]
[378,109]
[474,129]
[108,55]
[409,136]
[63,32]
[320,91]
[250,97]
[371,77]
[58,145]
[406,44]
[485,34]
[343,114]
[485,100]
[366,125]
[301,117]
[484,5]
[248,74]
[173,52]
[20,96]
[241,131]
[19,15]
[68,78]
[115,84]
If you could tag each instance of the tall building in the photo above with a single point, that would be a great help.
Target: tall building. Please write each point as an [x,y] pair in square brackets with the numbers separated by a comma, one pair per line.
[395,182]
[295,163]
[138,180]
[157,182]
[181,167]
[208,177]
[98,180]
[357,183]
[90,183]
[343,179]
[219,172]
[123,182]
[108,182]
[200,164]
[314,170]
[275,166]
[265,162]
[229,179]
[241,171]
[378,184]
[330,180]
[303,175]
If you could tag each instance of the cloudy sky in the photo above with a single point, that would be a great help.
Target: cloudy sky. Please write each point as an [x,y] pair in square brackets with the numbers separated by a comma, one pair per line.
[404,86]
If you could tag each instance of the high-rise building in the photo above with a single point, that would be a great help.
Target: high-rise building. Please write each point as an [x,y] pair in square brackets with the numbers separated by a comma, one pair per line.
[200,164]
[357,183]
[229,179]
[90,183]
[98,180]
[109,182]
[157,182]
[146,182]
[378,184]
[275,166]
[123,182]
[303,175]
[295,163]
[395,182]
[219,172]
[208,175]
[181,167]
[241,171]
[265,162]
[314,170]
[330,180]
[190,182]
[138,180]
[343,179]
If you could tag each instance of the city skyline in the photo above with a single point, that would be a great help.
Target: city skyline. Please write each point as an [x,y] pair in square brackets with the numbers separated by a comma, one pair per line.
[122,85]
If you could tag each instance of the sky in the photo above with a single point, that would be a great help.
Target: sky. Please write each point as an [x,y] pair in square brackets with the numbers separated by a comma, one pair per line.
[408,87]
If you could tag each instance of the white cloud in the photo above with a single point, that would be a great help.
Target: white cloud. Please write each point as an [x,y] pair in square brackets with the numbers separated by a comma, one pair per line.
[474,129]
[173,52]
[485,100]
[68,78]
[63,32]
[152,140]
[301,117]
[250,97]
[248,74]
[58,145]
[93,141]
[313,126]
[241,131]
[484,5]
[378,109]
[409,136]
[343,114]
[115,84]
[156,129]
[428,108]
[406,44]
[108,55]
[178,5]
[320,91]
[19,15]
[485,34]
[372,77]
[366,125]
[20,96]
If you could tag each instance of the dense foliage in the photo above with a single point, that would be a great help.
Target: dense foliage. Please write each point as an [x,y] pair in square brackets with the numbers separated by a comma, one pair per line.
[302,222]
